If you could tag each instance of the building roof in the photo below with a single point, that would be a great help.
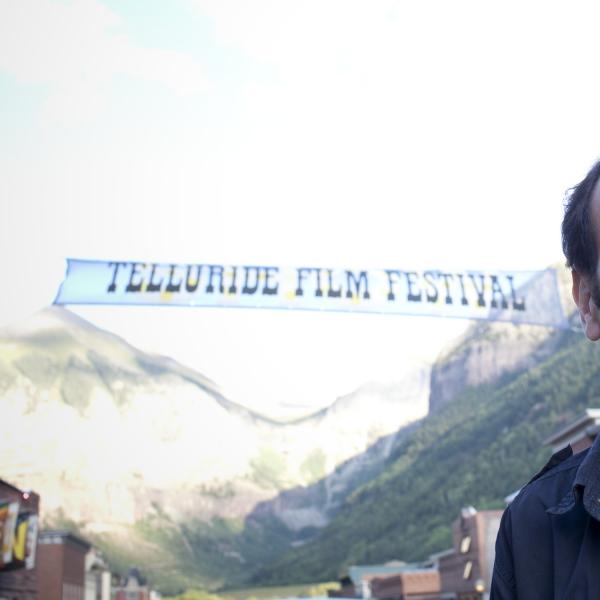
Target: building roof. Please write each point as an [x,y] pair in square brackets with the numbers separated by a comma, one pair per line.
[357,572]
[587,424]
[14,488]
[48,535]
[4,483]
[437,555]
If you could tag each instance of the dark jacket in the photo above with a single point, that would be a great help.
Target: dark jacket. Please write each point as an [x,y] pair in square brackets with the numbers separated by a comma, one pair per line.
[548,545]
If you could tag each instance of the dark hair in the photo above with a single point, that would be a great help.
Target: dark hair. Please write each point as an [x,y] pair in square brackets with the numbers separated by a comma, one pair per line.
[578,240]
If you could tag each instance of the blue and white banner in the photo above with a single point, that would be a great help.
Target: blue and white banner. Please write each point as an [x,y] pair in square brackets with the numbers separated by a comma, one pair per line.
[516,296]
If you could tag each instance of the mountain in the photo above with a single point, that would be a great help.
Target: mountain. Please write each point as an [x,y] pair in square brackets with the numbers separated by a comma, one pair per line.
[475,449]
[486,353]
[149,459]
[153,463]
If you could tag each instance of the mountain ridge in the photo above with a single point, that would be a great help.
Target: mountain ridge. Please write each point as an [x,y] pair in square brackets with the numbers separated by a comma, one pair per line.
[124,443]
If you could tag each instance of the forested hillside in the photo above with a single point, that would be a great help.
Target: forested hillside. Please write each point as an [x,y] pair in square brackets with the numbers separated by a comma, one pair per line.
[476,450]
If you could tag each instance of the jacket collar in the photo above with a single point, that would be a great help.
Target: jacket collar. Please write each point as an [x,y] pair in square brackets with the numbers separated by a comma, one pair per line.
[586,485]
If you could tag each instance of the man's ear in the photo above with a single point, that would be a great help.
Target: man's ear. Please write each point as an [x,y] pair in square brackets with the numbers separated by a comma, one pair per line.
[588,311]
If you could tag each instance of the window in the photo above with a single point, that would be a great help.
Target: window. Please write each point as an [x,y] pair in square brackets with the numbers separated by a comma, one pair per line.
[468,569]
[465,544]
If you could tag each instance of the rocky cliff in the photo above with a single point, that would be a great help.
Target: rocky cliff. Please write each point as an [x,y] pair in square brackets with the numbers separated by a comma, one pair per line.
[489,351]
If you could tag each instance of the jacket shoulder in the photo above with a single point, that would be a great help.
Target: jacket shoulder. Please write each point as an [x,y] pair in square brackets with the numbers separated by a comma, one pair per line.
[549,486]
[555,460]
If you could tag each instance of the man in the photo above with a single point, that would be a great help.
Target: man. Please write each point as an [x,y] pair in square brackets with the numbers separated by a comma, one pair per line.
[548,545]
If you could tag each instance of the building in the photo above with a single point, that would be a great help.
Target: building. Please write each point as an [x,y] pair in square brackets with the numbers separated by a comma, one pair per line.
[362,575]
[395,580]
[412,584]
[61,565]
[133,587]
[18,542]
[55,564]
[466,570]
[579,434]
[98,578]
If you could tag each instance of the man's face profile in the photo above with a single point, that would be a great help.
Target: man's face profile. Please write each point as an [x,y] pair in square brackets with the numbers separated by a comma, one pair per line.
[586,288]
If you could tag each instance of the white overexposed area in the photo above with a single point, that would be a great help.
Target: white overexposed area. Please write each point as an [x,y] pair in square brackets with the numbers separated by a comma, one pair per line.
[334,133]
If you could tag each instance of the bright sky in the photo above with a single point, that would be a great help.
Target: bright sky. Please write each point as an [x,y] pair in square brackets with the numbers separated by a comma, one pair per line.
[384,134]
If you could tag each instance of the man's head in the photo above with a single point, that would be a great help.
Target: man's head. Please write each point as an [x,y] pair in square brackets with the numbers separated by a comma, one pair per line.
[581,245]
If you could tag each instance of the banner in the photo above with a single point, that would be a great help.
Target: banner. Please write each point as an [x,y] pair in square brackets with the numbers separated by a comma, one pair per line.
[515,296]
[18,533]
[9,512]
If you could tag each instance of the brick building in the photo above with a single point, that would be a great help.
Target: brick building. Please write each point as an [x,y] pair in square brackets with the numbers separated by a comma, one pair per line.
[61,565]
[412,584]
[362,575]
[466,571]
[395,580]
